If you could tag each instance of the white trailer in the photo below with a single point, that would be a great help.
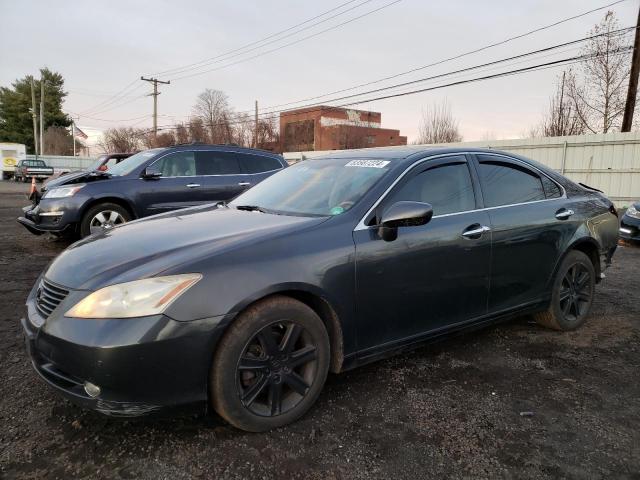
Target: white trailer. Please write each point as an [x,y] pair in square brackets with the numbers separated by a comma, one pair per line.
[10,155]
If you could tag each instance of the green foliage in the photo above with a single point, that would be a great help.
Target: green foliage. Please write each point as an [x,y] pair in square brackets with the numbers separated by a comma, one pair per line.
[16,124]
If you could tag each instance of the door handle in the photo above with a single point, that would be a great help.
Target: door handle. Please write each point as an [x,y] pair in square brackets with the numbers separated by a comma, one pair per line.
[563,213]
[193,185]
[476,232]
[244,184]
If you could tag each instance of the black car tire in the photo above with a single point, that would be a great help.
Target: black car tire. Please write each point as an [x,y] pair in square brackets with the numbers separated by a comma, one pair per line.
[85,224]
[572,294]
[230,375]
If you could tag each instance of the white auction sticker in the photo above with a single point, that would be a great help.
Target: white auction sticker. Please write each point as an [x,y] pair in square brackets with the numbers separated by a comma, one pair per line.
[368,163]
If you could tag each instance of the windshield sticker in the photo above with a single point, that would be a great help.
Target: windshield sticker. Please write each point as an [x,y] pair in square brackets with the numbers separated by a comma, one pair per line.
[368,163]
[336,210]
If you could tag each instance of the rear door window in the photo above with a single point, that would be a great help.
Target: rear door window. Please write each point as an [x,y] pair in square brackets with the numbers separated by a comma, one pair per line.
[505,183]
[217,163]
[259,163]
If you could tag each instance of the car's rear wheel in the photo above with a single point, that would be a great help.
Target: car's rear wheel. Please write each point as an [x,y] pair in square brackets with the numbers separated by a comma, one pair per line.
[572,294]
[103,217]
[270,366]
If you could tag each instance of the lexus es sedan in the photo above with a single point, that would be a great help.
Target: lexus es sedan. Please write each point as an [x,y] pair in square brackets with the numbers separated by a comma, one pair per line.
[327,265]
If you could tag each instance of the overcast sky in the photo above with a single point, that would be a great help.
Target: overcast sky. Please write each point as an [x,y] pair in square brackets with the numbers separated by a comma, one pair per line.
[101,47]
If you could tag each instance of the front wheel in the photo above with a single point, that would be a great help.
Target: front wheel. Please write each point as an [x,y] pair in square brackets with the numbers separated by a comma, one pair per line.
[572,295]
[103,217]
[270,366]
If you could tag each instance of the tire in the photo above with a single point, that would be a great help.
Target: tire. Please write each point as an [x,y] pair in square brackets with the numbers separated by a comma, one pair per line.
[112,214]
[255,390]
[572,295]
[24,179]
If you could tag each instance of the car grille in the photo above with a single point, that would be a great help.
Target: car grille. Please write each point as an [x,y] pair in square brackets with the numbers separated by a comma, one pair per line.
[49,297]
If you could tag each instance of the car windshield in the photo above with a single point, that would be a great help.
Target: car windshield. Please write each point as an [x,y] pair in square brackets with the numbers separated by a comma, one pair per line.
[128,165]
[35,163]
[315,187]
[95,165]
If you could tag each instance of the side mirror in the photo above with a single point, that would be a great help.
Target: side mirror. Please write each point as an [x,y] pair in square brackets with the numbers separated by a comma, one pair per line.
[151,173]
[403,214]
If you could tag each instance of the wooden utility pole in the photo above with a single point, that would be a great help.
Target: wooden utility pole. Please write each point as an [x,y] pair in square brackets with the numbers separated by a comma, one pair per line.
[33,116]
[155,94]
[255,133]
[630,106]
[41,116]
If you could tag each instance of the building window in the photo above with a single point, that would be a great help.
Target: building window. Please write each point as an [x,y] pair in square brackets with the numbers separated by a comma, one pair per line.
[371,139]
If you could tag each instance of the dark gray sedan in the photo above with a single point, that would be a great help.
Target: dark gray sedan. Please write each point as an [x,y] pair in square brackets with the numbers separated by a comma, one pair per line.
[324,266]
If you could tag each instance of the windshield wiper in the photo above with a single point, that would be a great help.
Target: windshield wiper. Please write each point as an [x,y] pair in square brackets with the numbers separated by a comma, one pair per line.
[252,208]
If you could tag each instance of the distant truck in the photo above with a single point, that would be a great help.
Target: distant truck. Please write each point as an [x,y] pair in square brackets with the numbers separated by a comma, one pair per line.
[10,155]
[28,169]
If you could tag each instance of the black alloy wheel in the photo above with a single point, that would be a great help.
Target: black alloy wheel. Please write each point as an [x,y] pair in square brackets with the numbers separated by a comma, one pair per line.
[575,292]
[276,369]
[271,364]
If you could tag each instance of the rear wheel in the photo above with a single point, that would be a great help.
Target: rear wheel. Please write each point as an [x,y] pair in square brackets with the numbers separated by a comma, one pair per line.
[103,217]
[270,366]
[572,294]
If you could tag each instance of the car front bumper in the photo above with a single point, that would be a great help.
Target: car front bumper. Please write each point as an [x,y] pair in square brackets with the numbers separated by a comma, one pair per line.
[142,365]
[54,216]
[629,228]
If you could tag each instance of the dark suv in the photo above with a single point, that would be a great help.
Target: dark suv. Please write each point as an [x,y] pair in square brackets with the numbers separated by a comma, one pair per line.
[149,182]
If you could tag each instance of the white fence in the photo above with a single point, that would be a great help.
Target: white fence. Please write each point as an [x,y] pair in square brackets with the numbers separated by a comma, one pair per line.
[62,163]
[609,162]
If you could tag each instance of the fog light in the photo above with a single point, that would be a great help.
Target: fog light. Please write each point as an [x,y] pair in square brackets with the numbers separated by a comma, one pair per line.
[92,390]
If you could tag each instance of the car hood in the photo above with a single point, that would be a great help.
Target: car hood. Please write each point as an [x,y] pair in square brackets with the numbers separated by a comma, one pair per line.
[150,246]
[75,177]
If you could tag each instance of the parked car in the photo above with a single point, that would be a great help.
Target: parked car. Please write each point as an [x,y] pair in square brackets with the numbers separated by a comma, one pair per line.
[630,223]
[147,183]
[28,169]
[327,265]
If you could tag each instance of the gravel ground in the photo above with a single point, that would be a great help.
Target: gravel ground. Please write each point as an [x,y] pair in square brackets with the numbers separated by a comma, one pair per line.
[512,401]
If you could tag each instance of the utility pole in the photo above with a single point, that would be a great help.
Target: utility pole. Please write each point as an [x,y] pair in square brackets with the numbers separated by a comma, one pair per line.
[41,116]
[33,116]
[630,106]
[155,94]
[255,133]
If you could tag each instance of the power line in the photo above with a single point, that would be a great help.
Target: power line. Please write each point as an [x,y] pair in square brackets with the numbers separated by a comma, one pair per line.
[290,43]
[540,66]
[210,60]
[449,59]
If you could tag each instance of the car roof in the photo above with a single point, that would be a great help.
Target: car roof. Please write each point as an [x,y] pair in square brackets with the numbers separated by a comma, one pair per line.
[398,153]
[224,147]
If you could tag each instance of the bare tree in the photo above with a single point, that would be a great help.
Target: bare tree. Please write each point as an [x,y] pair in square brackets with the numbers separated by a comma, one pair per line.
[599,98]
[212,107]
[197,130]
[243,130]
[438,125]
[562,117]
[181,133]
[162,139]
[267,132]
[58,141]
[121,139]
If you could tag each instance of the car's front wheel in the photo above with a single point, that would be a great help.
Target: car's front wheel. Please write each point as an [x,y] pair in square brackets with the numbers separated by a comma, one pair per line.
[103,217]
[270,366]
[572,293]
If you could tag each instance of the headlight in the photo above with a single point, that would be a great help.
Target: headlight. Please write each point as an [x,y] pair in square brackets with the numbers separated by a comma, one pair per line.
[134,299]
[60,192]
[633,212]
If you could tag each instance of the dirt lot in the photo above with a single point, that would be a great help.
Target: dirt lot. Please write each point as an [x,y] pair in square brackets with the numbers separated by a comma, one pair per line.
[453,410]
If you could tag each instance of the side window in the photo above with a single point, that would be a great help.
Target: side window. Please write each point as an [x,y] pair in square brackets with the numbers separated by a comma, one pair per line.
[551,190]
[259,164]
[447,188]
[216,163]
[178,164]
[505,183]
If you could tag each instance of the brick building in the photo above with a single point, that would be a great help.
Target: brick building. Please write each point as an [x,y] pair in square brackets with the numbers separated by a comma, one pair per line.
[331,128]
